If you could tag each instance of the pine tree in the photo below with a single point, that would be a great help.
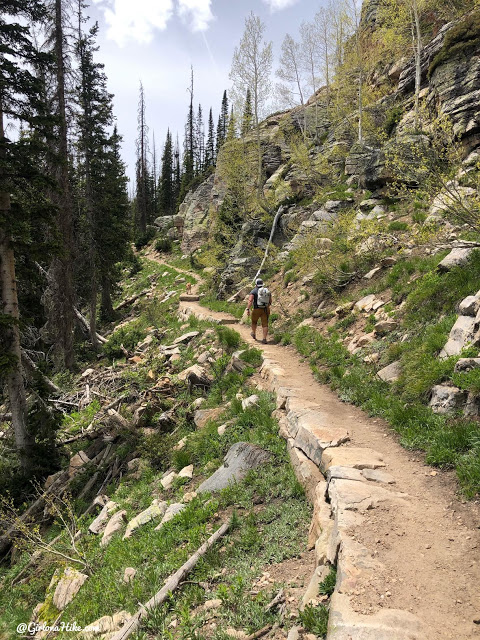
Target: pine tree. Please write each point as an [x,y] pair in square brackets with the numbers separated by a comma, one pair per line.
[199,147]
[189,147]
[20,161]
[177,171]
[95,116]
[232,127]
[60,295]
[167,187]
[247,117]
[222,122]
[210,146]
[113,233]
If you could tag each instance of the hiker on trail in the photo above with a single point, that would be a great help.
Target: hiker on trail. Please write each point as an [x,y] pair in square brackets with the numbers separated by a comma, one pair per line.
[261,299]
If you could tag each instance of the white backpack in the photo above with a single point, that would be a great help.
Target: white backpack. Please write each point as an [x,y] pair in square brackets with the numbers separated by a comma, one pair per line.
[263,297]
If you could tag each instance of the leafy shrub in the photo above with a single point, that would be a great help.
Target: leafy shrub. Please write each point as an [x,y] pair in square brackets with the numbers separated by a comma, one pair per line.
[398,226]
[252,356]
[228,338]
[314,619]
[393,117]
[163,245]
[127,336]
[143,239]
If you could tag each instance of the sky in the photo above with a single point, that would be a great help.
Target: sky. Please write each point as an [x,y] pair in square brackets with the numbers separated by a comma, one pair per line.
[157,41]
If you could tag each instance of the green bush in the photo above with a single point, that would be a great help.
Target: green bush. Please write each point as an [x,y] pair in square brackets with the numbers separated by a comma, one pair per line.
[228,338]
[128,336]
[163,245]
[143,239]
[398,226]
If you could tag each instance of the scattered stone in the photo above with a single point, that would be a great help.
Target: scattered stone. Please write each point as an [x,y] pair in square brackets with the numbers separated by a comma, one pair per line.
[239,635]
[221,429]
[87,373]
[186,337]
[196,404]
[100,521]
[172,510]
[203,416]
[461,334]
[251,401]
[385,326]
[365,304]
[367,205]
[114,524]
[155,510]
[391,372]
[469,306]
[78,461]
[372,273]
[175,357]
[68,587]
[472,407]
[106,626]
[180,444]
[241,457]
[204,357]
[343,309]
[446,398]
[135,359]
[186,472]
[167,481]
[456,258]
[466,364]
[129,574]
[189,496]
[196,369]
[189,297]
[372,358]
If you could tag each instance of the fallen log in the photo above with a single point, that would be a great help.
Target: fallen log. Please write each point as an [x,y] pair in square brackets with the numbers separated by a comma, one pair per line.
[31,367]
[83,322]
[171,584]
[131,299]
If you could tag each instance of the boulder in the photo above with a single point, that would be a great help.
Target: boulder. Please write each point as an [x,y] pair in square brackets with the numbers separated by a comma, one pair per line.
[195,211]
[385,326]
[100,521]
[372,273]
[470,306]
[68,587]
[129,574]
[344,309]
[251,401]
[186,472]
[365,304]
[168,479]
[78,461]
[466,364]
[155,510]
[391,372]
[172,510]
[105,626]
[447,398]
[186,337]
[114,524]
[203,416]
[456,258]
[241,457]
[461,334]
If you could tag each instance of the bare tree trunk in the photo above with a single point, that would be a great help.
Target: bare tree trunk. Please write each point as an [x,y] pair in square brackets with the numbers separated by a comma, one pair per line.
[107,311]
[14,377]
[417,48]
[61,315]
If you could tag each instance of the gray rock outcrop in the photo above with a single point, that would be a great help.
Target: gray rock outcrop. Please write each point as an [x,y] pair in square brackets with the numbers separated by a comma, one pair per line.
[241,457]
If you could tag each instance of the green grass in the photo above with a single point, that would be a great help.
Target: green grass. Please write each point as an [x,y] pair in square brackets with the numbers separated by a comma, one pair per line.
[234,308]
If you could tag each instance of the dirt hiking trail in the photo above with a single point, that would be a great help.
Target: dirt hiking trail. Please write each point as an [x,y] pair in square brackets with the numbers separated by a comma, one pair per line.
[426,545]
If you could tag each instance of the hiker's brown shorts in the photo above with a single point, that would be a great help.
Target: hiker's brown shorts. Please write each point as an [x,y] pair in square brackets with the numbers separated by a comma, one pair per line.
[260,314]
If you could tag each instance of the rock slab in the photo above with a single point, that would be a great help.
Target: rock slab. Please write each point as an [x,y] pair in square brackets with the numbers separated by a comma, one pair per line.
[241,457]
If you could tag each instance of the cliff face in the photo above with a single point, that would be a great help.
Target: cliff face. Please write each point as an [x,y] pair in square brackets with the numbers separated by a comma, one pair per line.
[450,86]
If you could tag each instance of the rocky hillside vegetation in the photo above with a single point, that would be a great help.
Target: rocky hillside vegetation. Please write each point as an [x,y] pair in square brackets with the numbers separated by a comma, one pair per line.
[375,249]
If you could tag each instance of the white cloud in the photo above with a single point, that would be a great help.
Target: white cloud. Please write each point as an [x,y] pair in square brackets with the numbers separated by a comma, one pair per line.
[278,5]
[136,20]
[197,13]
